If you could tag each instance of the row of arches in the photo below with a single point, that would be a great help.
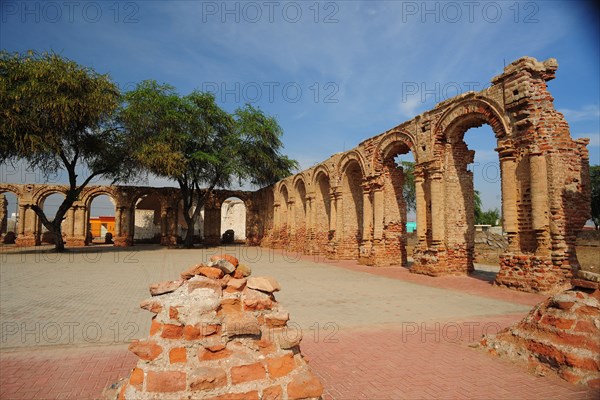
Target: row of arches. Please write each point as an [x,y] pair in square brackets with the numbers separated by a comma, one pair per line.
[117,215]
[351,206]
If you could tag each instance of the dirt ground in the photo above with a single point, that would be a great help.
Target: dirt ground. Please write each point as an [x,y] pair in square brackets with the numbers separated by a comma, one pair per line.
[588,251]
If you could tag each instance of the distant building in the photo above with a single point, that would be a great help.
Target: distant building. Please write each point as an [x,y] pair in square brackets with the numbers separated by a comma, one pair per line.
[411,226]
[100,226]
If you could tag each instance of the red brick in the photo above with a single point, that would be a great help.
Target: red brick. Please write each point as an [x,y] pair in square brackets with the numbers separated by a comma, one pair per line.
[247,373]
[178,355]
[157,289]
[586,326]
[280,366]
[253,395]
[202,282]
[582,362]
[137,377]
[166,382]
[155,327]
[587,310]
[173,312]
[557,322]
[230,305]
[151,305]
[208,378]
[171,331]
[216,352]
[234,261]
[190,332]
[272,393]
[146,350]
[304,385]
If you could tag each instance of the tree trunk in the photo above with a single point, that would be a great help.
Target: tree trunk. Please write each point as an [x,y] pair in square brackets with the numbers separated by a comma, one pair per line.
[188,242]
[59,244]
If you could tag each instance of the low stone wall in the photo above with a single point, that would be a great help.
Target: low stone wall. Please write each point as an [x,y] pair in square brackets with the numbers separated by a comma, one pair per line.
[218,334]
[560,334]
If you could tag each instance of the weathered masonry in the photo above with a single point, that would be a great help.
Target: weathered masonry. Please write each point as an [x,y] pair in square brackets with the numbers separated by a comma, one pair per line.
[351,207]
[166,203]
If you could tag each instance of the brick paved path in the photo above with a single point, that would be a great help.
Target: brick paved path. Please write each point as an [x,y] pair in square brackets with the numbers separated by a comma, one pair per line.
[370,333]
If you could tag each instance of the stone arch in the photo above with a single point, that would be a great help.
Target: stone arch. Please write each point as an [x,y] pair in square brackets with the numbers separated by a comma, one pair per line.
[349,157]
[14,189]
[44,191]
[391,248]
[85,212]
[389,142]
[234,217]
[457,225]
[471,113]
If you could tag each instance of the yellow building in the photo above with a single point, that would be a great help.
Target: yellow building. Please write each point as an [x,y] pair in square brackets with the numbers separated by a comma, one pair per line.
[100,226]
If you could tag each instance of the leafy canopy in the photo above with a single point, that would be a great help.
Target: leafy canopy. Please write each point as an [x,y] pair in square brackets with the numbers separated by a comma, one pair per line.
[57,113]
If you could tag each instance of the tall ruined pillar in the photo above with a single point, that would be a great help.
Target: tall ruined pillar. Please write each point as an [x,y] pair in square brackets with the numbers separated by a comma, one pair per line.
[124,233]
[430,259]
[311,246]
[3,215]
[366,245]
[335,223]
[539,203]
[421,204]
[510,222]
[437,210]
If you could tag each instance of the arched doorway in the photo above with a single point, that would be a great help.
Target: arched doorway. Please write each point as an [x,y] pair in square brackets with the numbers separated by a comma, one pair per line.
[459,192]
[399,201]
[101,224]
[9,217]
[233,220]
[146,226]
[49,203]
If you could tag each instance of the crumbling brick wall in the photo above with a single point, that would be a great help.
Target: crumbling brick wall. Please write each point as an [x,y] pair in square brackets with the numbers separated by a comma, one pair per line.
[544,175]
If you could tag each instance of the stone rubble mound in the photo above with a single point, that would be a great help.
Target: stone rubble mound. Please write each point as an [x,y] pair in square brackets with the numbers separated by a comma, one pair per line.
[560,334]
[218,333]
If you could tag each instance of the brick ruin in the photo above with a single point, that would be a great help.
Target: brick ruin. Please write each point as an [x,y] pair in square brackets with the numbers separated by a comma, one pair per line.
[218,333]
[165,202]
[350,206]
[560,334]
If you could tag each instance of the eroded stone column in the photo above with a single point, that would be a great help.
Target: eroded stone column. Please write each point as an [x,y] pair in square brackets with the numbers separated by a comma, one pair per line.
[437,209]
[421,204]
[539,202]
[378,208]
[510,221]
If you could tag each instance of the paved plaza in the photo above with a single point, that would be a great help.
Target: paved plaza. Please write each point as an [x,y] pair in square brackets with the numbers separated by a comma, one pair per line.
[373,333]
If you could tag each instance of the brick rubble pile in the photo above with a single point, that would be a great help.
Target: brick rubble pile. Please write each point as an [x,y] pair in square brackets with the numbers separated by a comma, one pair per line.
[218,333]
[561,334]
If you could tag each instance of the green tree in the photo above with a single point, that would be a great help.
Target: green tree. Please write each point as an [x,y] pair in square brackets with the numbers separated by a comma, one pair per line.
[408,188]
[477,206]
[192,141]
[56,115]
[489,217]
[595,186]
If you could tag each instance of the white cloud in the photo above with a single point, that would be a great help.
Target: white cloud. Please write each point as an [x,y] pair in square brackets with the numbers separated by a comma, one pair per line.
[587,113]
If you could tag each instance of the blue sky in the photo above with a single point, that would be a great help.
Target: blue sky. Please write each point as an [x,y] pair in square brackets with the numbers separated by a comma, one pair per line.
[333,73]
